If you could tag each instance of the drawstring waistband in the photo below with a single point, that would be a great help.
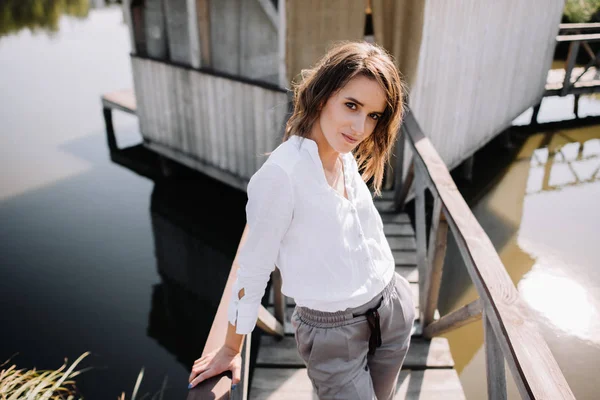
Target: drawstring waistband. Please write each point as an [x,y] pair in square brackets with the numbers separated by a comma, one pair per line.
[323,319]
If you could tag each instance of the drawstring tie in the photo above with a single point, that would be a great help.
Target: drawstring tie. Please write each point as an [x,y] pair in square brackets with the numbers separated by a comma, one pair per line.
[373,321]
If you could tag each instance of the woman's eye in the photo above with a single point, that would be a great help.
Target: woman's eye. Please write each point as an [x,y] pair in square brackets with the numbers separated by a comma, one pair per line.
[375,117]
[351,106]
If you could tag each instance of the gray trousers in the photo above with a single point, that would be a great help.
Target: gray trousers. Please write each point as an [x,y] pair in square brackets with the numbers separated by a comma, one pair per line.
[335,346]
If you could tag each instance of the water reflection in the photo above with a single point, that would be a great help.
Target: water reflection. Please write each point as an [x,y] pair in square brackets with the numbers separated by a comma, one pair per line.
[38,15]
[542,217]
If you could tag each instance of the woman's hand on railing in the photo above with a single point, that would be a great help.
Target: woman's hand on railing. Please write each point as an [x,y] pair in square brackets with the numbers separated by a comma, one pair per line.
[216,362]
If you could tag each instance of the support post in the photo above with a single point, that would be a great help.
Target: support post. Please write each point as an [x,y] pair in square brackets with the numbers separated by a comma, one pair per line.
[110,130]
[436,256]
[420,227]
[494,361]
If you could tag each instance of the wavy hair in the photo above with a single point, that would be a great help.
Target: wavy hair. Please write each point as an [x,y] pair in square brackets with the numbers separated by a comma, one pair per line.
[341,63]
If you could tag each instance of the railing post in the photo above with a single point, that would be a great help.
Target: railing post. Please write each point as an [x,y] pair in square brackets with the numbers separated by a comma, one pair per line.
[420,227]
[435,257]
[496,376]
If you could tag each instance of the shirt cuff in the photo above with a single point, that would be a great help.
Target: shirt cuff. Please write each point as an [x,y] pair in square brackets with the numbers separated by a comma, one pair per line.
[242,315]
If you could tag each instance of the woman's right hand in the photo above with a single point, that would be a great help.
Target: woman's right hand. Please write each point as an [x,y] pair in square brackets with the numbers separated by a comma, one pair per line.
[214,363]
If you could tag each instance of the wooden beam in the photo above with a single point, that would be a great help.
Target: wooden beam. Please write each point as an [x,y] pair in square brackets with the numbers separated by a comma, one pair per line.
[204,37]
[494,362]
[579,26]
[399,170]
[436,256]
[533,367]
[268,323]
[281,32]
[401,195]
[420,227]
[449,322]
[593,37]
[193,34]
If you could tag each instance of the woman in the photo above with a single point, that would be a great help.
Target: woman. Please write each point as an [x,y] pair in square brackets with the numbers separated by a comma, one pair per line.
[310,212]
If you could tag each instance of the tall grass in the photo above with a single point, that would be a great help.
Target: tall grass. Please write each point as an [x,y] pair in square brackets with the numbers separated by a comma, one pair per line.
[23,384]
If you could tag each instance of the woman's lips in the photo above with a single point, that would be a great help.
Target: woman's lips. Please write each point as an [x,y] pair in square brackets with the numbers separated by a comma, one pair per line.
[349,139]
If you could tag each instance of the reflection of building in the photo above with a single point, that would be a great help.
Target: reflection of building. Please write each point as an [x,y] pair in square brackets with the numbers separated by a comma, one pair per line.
[197,223]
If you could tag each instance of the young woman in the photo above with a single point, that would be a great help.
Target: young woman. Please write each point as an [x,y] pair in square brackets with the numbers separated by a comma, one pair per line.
[311,213]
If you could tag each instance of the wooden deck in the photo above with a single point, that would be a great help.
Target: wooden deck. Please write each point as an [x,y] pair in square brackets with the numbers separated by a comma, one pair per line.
[428,371]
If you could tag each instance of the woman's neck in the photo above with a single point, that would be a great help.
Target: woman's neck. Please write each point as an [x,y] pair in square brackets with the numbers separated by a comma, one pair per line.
[327,154]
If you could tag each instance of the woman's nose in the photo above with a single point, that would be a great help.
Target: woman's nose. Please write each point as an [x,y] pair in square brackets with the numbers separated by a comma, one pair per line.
[358,124]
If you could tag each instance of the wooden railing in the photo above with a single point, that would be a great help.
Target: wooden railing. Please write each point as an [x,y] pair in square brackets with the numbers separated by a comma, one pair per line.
[510,330]
[219,387]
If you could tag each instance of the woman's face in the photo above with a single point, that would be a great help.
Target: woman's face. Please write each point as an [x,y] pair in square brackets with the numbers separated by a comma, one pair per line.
[351,114]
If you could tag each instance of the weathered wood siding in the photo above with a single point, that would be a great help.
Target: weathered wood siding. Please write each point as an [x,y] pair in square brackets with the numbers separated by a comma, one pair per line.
[243,39]
[208,120]
[481,64]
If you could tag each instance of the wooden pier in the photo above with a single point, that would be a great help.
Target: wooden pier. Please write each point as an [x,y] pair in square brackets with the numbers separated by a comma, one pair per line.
[511,334]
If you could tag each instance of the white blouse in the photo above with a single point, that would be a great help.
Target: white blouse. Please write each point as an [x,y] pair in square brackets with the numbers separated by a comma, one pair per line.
[331,251]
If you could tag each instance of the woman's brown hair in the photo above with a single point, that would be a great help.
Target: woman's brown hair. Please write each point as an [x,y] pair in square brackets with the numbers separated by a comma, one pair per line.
[343,62]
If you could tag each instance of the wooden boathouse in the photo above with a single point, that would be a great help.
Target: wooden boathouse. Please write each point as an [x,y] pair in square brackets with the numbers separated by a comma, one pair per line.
[211,91]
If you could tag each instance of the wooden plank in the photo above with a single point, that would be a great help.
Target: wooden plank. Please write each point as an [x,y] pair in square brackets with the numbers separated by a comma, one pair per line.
[294,384]
[403,191]
[281,38]
[402,243]
[579,26]
[410,273]
[534,369]
[591,37]
[460,317]
[400,218]
[123,100]
[403,257]
[398,230]
[494,360]
[422,353]
[267,322]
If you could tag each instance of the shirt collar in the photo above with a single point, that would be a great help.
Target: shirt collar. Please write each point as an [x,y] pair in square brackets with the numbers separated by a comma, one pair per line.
[312,148]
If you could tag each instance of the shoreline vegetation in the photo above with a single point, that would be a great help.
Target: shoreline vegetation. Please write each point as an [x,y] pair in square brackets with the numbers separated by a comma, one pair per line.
[33,384]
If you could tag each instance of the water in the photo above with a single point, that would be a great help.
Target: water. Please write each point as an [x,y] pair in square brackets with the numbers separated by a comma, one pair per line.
[92,256]
[542,217]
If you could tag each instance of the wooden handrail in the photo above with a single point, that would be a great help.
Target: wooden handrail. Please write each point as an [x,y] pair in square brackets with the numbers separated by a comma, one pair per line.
[219,387]
[510,328]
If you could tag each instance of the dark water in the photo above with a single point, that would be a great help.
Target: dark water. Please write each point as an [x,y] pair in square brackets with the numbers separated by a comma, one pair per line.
[92,256]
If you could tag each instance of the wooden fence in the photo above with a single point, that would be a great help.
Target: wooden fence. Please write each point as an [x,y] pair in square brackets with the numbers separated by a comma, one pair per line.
[510,330]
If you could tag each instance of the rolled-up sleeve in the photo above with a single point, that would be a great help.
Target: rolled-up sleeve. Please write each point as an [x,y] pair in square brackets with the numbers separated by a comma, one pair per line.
[268,214]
